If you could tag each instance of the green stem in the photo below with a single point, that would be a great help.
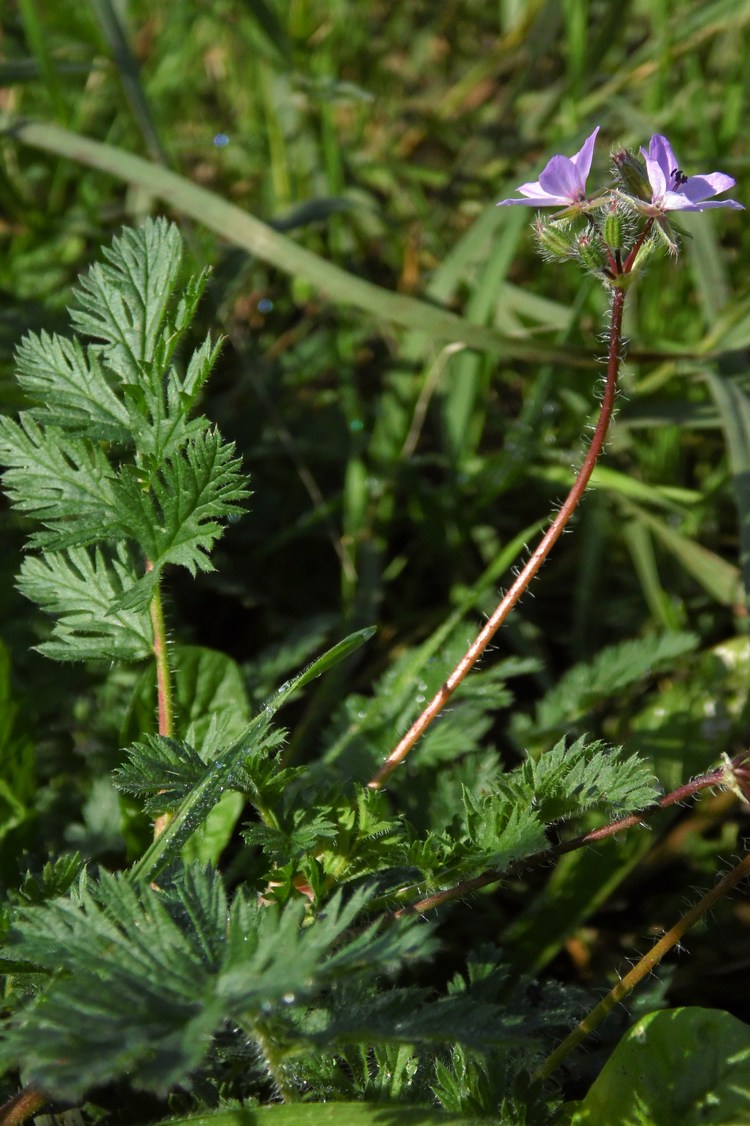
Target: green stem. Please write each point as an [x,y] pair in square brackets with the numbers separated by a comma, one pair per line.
[163,672]
[535,562]
[163,680]
[642,969]
[273,1060]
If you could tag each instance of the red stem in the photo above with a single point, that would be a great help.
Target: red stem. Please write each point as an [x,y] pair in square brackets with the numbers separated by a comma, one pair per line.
[534,564]
[20,1107]
[630,260]
[163,681]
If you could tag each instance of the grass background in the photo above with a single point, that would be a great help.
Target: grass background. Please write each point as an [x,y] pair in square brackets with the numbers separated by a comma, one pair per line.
[409,385]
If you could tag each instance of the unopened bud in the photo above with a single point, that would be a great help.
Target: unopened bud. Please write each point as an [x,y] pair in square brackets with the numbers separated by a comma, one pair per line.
[645,253]
[613,230]
[555,241]
[590,253]
[632,173]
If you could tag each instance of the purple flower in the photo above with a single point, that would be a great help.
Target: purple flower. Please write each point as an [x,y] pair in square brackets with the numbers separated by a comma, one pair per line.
[563,181]
[672,190]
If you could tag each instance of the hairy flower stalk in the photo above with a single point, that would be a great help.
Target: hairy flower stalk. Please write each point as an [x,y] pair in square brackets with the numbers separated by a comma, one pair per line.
[598,247]
[165,707]
[535,561]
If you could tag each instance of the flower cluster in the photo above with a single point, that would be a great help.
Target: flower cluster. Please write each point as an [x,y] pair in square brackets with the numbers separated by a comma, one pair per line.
[650,187]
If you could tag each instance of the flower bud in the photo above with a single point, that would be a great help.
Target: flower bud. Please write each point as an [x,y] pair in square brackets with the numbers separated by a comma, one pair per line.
[590,253]
[613,230]
[554,241]
[632,172]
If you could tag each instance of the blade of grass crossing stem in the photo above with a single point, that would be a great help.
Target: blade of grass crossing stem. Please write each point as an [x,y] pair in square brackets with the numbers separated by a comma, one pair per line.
[671,498]
[221,771]
[720,579]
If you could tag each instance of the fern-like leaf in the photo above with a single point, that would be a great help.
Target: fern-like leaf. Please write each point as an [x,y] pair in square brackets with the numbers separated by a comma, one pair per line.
[501,831]
[82,589]
[65,482]
[146,976]
[107,452]
[569,780]
[612,671]
[124,302]
[175,516]
[71,387]
[162,770]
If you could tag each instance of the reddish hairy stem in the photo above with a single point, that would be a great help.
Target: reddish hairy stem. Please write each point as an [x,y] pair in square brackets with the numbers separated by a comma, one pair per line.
[20,1107]
[163,680]
[630,260]
[682,793]
[534,564]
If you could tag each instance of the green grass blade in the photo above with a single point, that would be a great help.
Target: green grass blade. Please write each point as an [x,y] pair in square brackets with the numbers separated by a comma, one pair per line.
[127,68]
[734,408]
[194,810]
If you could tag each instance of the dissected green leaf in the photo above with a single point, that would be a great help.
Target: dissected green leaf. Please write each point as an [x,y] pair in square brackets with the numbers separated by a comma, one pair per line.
[65,481]
[571,779]
[72,388]
[145,977]
[107,453]
[83,587]
[613,669]
[173,517]
[124,303]
[501,831]
[161,770]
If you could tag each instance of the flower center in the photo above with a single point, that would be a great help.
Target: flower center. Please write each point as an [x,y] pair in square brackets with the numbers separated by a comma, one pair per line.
[678,179]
